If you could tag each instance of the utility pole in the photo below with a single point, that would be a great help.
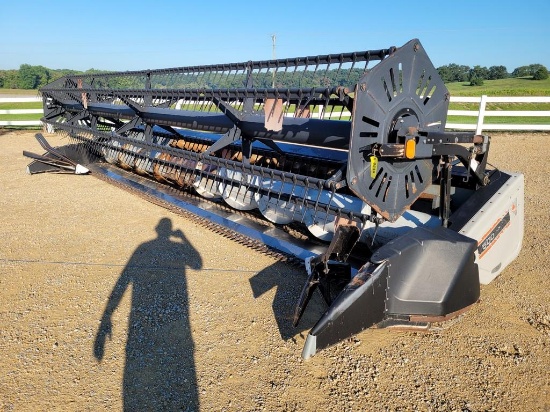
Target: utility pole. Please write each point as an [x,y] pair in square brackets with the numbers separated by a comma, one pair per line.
[273,56]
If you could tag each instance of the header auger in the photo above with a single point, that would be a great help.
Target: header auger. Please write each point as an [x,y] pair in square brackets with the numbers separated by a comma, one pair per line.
[351,148]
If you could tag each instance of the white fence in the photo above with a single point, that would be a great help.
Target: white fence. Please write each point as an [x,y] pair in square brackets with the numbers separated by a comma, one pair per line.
[482,113]
[20,111]
[480,126]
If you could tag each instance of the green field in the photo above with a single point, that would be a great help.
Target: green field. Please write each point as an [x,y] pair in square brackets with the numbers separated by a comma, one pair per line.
[501,88]
[22,105]
[25,116]
[19,92]
[520,86]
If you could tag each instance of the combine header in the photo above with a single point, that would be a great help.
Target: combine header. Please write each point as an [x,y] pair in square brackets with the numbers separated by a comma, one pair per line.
[349,148]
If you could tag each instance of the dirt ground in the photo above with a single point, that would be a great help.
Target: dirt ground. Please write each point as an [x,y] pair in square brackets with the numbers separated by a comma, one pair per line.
[109,302]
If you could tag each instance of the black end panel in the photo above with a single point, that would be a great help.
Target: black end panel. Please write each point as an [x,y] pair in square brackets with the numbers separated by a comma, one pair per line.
[426,272]
[431,271]
[359,306]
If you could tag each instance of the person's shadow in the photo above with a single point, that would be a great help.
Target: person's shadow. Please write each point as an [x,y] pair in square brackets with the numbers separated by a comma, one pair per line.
[159,372]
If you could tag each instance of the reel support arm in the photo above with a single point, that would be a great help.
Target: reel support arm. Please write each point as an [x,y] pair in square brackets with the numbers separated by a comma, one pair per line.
[330,271]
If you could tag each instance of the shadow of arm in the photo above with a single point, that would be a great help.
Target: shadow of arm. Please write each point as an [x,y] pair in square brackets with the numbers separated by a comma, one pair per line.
[105,326]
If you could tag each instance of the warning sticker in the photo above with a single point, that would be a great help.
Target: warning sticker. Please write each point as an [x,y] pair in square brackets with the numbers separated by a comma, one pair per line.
[373,166]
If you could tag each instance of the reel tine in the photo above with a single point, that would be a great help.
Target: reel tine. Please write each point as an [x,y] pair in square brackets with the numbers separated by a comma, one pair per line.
[280,193]
[212,180]
[304,198]
[328,207]
[293,197]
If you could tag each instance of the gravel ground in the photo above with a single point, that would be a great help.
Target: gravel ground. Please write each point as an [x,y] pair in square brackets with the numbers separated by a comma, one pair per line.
[110,302]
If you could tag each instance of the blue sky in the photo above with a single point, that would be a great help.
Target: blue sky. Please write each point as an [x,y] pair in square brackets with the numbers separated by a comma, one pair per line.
[130,35]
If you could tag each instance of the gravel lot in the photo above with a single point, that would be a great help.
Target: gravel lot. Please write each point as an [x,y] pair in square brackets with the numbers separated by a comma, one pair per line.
[109,302]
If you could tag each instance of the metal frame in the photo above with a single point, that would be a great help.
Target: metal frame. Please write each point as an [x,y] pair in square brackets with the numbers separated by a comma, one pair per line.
[224,125]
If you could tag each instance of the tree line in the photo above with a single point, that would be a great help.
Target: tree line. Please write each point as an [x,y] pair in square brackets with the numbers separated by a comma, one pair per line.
[477,74]
[34,77]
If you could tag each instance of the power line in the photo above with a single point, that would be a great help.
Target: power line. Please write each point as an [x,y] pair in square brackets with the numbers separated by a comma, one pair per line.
[273,55]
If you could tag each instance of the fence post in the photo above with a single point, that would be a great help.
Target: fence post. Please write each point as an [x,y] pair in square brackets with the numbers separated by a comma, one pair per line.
[481,115]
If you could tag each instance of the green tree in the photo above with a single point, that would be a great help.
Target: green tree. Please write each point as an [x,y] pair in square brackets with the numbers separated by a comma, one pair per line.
[541,73]
[525,71]
[33,77]
[454,73]
[476,81]
[522,71]
[497,72]
[9,78]
[57,74]
[478,72]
